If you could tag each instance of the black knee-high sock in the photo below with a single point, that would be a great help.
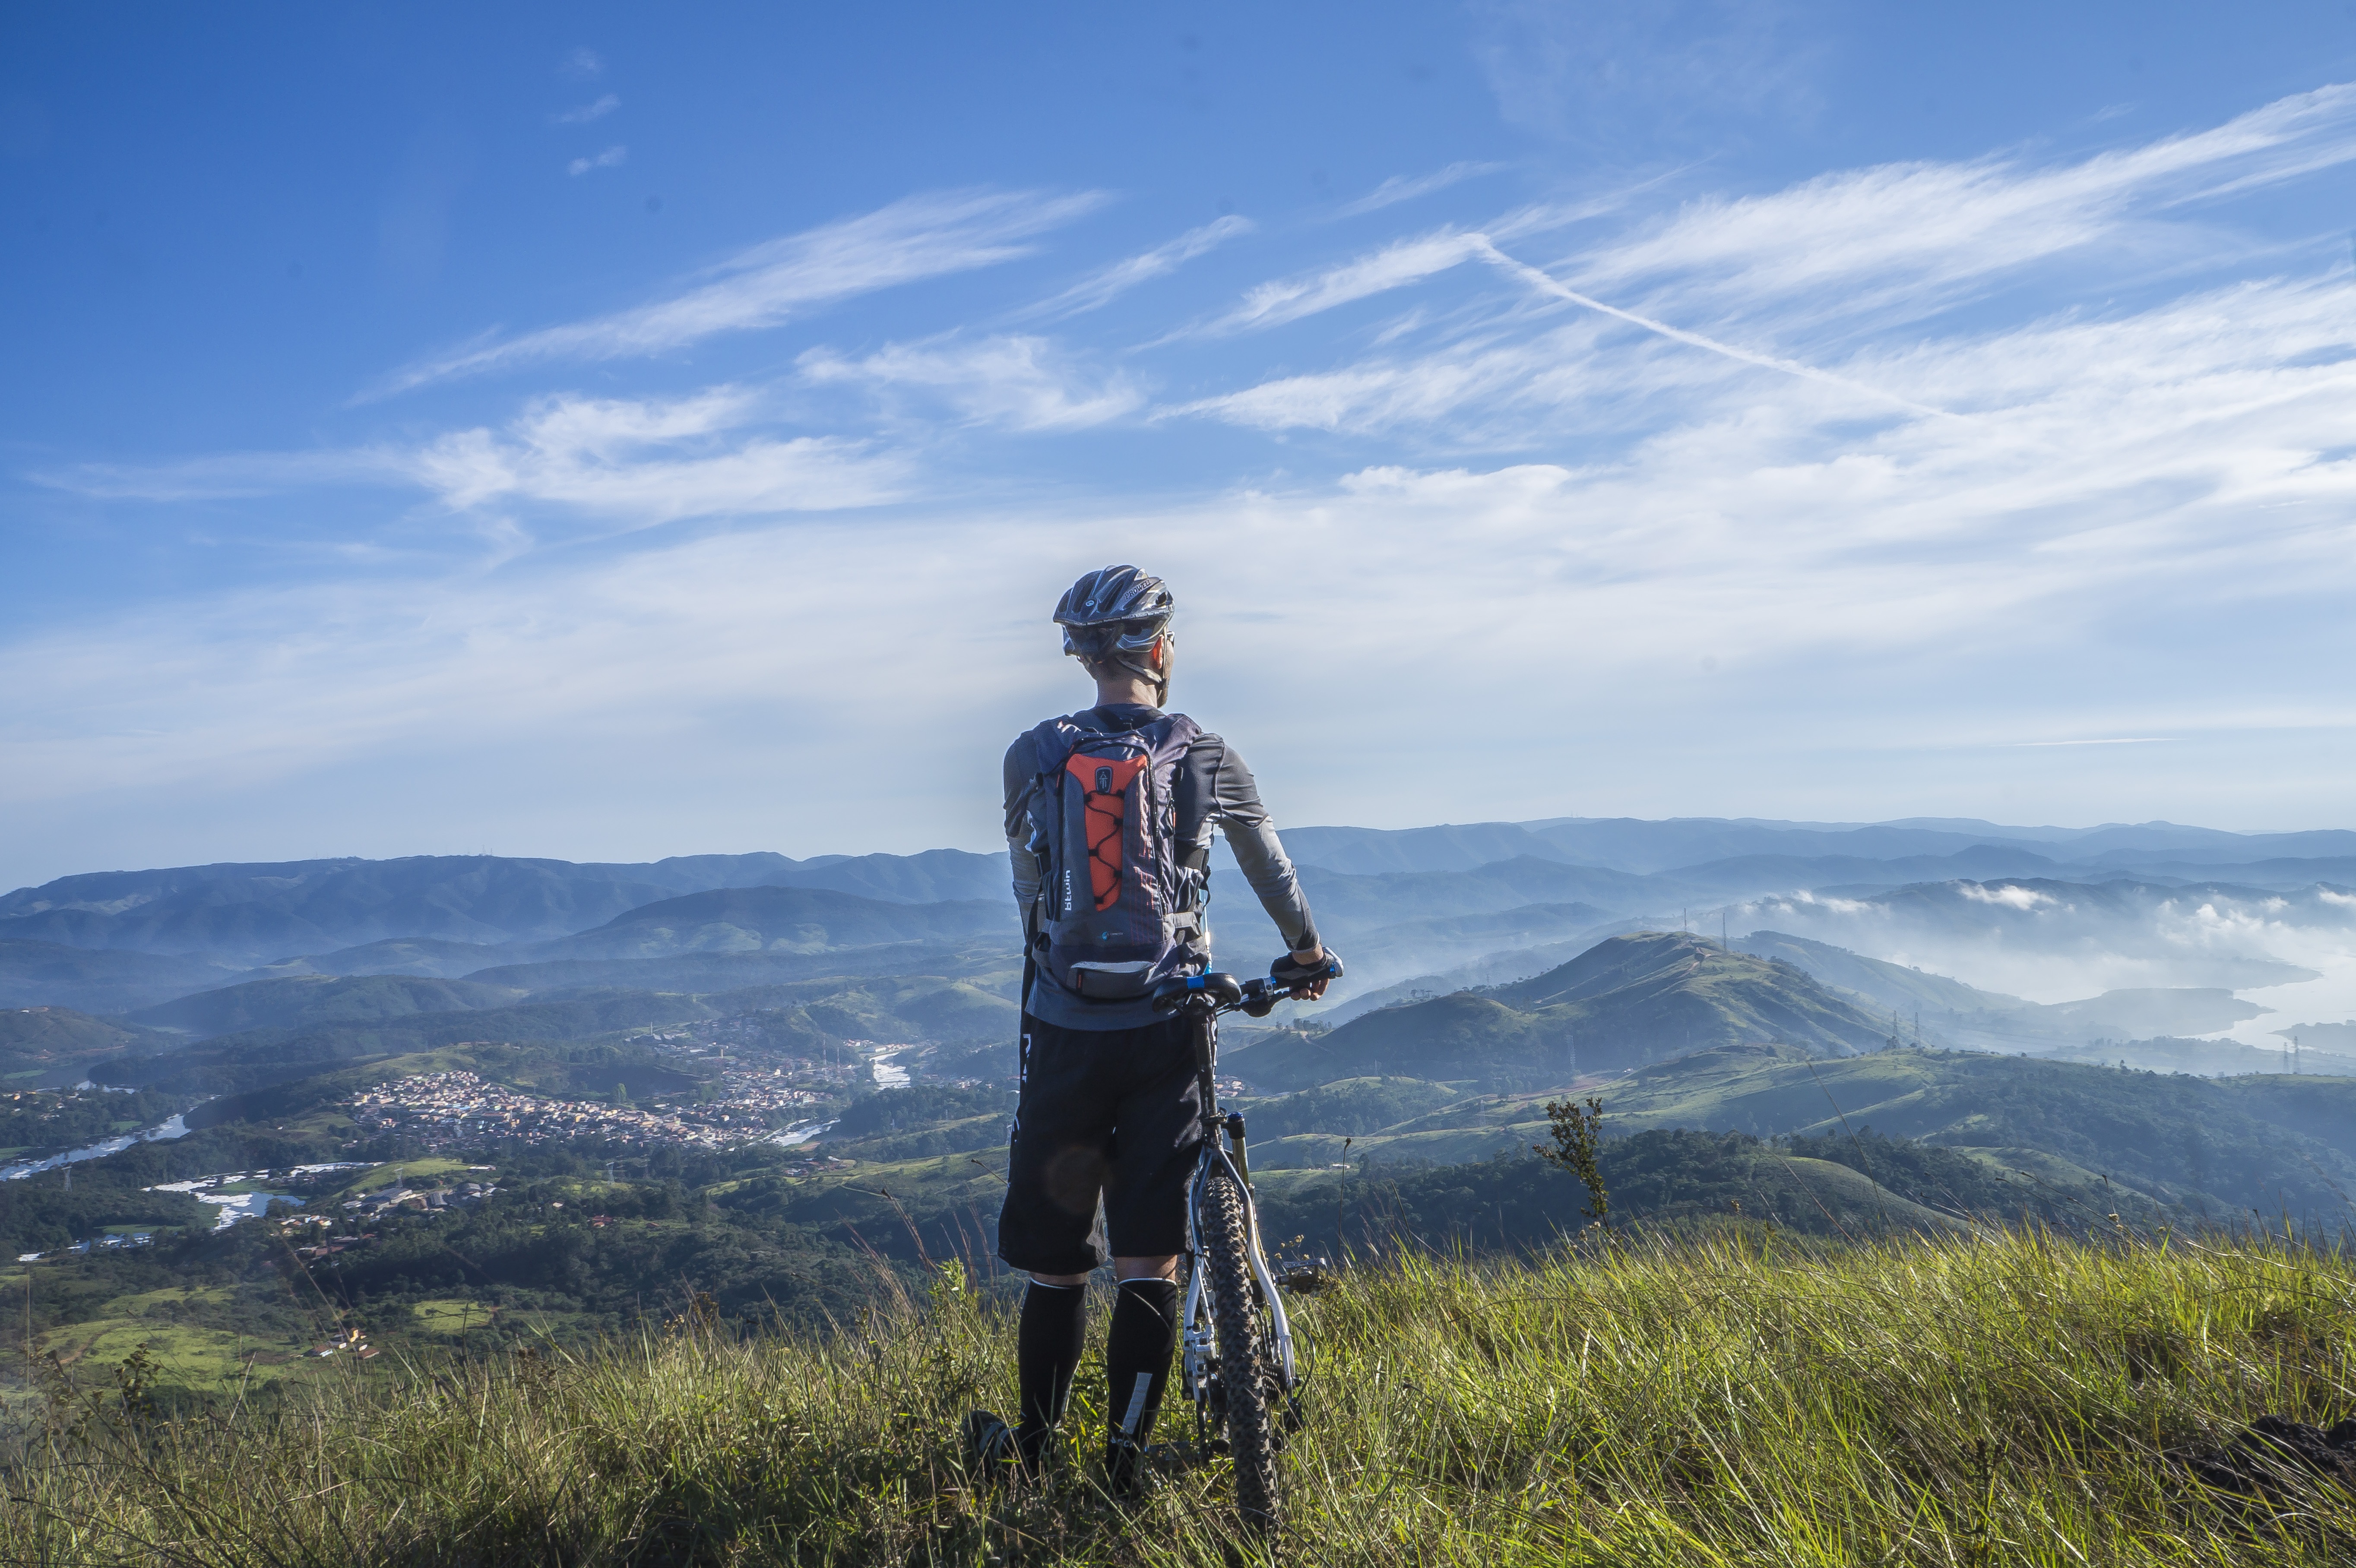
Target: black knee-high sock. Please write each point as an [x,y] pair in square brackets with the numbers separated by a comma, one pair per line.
[1137,1357]
[1047,1345]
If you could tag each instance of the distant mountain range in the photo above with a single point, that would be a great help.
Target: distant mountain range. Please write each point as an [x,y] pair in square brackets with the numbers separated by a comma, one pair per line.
[1949,922]
[1361,877]
[259,911]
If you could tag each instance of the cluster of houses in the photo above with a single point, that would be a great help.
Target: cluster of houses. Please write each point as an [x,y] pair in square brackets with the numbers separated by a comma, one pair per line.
[95,1245]
[441,1109]
[394,1197]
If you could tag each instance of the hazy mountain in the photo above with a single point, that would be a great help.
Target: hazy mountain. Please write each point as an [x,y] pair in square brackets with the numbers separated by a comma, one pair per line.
[1347,904]
[1956,1014]
[1898,987]
[1382,956]
[427,956]
[800,1017]
[307,1000]
[1627,1000]
[2209,1058]
[1630,844]
[49,974]
[779,920]
[269,910]
[50,1044]
[972,959]
[2339,1037]
[1753,873]
[2282,875]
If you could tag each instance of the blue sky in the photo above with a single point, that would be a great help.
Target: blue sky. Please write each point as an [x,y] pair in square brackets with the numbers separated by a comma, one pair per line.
[609,432]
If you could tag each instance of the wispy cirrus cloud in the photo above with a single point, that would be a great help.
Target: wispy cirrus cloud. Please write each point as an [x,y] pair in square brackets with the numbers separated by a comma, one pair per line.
[639,462]
[1824,262]
[631,462]
[916,238]
[612,157]
[1017,382]
[1408,187]
[597,110]
[1905,240]
[1101,288]
[223,476]
[1396,265]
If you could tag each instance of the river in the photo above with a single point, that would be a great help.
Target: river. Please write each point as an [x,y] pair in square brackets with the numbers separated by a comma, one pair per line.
[178,1127]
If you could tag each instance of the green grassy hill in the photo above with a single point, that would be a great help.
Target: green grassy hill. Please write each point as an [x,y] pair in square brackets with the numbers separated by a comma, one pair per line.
[298,1001]
[1915,1404]
[2181,1140]
[1625,1001]
[41,1044]
[783,920]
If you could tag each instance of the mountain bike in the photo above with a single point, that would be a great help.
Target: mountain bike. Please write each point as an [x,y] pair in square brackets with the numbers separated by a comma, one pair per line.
[1238,1363]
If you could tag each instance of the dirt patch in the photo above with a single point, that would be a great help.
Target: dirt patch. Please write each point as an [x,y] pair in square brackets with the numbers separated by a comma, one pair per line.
[2274,1455]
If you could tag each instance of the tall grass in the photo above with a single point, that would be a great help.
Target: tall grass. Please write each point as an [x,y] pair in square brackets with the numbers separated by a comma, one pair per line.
[2008,1400]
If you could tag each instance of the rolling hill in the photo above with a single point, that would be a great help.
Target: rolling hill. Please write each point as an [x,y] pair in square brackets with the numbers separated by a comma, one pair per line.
[44,1044]
[2216,1147]
[307,1000]
[52,974]
[1625,1001]
[780,920]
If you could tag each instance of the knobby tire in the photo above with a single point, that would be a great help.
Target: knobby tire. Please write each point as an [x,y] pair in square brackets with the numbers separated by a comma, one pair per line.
[1244,1372]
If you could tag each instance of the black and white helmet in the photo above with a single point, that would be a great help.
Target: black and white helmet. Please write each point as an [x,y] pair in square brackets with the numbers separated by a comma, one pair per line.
[1115,614]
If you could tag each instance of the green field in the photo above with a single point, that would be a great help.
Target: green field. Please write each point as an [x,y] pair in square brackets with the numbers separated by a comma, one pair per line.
[1996,1399]
[205,1360]
[450,1316]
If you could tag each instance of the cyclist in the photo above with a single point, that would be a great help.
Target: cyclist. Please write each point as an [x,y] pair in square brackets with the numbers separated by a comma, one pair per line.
[1117,801]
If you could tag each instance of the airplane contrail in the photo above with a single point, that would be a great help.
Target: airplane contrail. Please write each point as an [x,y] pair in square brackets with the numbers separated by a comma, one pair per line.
[1547,282]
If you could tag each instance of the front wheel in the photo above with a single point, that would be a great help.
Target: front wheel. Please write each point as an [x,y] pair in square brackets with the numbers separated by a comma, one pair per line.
[1244,1372]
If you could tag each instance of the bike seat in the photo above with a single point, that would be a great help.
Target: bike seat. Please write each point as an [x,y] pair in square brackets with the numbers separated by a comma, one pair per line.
[1217,989]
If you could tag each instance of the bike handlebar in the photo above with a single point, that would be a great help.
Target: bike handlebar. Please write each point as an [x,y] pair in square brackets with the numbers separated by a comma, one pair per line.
[1218,992]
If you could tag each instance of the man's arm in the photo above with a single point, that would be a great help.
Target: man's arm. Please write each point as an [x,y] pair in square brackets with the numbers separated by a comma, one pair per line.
[1027,869]
[1235,804]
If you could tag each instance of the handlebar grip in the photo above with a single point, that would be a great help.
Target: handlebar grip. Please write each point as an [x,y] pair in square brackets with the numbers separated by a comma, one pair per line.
[1286,973]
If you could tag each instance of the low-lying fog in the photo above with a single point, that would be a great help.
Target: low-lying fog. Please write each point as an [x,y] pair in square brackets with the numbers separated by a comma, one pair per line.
[2291,953]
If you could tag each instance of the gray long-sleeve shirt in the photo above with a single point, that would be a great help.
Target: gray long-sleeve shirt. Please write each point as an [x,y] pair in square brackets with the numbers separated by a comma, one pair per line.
[1213,788]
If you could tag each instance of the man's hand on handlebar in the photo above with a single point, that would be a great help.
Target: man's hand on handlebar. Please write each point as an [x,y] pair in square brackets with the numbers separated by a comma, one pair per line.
[1305,974]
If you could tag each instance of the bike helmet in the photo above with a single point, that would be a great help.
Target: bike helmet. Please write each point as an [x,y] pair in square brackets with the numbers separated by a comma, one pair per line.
[1113,615]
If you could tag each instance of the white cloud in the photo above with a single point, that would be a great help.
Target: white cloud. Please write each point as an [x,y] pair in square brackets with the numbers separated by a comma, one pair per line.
[920,237]
[639,464]
[2022,899]
[585,113]
[1408,187]
[612,157]
[1100,288]
[581,65]
[1394,266]
[1908,239]
[634,463]
[1021,383]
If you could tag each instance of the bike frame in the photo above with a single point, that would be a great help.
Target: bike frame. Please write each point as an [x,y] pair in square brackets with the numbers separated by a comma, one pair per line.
[1198,1333]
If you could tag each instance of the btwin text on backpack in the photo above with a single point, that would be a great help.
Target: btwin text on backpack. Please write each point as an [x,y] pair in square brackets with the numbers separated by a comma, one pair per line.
[1121,896]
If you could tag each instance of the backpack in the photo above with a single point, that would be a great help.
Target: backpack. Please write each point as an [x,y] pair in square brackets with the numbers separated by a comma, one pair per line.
[1120,897]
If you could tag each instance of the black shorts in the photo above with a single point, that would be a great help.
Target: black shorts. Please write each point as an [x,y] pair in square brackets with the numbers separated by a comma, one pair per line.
[1116,1112]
